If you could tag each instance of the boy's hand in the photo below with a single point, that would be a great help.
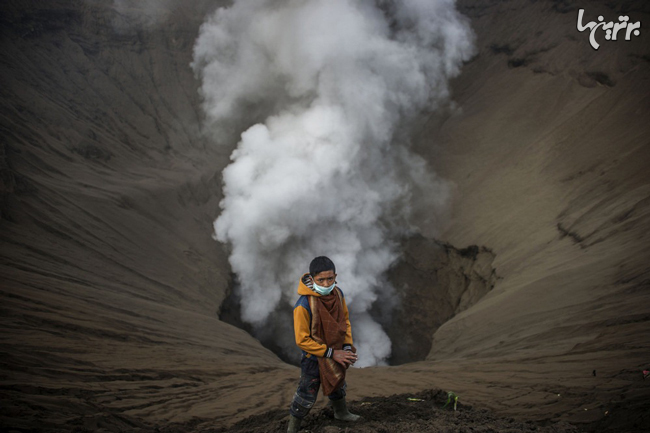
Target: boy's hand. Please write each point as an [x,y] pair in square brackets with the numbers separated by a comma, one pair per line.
[344,357]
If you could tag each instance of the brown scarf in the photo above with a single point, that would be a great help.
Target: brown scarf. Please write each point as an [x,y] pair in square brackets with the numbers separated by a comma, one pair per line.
[328,326]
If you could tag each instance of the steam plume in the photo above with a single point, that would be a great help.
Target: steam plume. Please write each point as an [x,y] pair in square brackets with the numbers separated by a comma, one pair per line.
[327,169]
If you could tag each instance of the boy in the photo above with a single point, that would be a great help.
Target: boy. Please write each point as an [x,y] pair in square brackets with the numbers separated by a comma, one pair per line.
[322,327]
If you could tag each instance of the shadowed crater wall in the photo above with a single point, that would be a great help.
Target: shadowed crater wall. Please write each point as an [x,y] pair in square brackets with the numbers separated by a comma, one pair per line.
[433,282]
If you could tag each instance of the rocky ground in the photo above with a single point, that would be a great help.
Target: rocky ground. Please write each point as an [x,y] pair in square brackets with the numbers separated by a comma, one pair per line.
[426,412]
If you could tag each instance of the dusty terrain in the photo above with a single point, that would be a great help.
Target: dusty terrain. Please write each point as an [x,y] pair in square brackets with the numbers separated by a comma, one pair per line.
[427,411]
[112,286]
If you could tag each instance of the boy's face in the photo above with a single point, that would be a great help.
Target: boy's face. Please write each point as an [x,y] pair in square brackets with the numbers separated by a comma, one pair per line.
[325,278]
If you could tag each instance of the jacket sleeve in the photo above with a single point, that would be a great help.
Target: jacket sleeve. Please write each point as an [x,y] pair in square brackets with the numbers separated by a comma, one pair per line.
[347,343]
[301,327]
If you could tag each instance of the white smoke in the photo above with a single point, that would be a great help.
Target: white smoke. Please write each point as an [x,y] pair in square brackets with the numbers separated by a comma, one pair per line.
[328,170]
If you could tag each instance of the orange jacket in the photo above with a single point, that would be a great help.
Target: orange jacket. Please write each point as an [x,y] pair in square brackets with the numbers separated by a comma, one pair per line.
[302,324]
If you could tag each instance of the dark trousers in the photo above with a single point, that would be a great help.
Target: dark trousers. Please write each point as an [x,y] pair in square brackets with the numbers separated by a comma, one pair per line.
[307,392]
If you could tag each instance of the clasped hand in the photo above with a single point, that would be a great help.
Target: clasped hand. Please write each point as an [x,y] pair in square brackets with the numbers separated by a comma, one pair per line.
[345,357]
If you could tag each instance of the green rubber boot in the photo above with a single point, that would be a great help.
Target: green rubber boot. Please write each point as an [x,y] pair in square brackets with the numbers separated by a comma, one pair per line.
[341,411]
[294,424]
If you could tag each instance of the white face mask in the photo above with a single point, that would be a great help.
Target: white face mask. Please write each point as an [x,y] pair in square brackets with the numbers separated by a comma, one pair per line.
[324,291]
